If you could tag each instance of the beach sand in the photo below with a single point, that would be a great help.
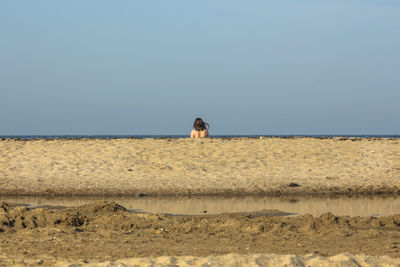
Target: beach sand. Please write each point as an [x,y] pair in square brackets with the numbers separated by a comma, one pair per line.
[273,260]
[106,234]
[200,167]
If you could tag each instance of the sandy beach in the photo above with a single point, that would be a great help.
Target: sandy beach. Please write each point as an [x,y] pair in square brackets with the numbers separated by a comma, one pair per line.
[200,167]
[104,233]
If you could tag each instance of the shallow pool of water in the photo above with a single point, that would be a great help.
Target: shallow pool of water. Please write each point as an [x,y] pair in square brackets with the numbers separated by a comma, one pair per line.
[355,206]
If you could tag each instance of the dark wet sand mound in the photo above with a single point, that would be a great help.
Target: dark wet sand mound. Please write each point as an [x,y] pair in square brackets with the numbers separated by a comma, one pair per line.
[107,231]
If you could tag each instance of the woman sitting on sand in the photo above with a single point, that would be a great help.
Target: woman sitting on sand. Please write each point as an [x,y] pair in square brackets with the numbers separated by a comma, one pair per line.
[200,129]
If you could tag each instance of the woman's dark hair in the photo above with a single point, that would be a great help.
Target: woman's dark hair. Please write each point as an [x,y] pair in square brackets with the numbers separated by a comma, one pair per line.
[200,125]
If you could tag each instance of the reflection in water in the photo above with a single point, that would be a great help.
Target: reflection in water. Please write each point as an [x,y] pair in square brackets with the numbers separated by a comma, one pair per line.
[356,206]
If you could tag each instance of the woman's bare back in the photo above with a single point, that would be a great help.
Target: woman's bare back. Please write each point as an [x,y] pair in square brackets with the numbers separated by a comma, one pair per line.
[199,134]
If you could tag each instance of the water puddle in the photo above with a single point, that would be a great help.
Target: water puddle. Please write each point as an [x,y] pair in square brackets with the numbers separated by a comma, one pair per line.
[355,206]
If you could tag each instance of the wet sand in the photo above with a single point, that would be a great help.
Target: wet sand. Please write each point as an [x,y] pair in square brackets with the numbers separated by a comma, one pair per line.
[296,205]
[106,231]
[236,166]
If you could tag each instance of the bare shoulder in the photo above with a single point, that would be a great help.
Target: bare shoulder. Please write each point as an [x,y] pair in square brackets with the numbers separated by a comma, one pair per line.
[193,134]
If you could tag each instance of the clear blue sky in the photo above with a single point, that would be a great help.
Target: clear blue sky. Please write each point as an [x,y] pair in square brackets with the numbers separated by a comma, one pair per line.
[246,67]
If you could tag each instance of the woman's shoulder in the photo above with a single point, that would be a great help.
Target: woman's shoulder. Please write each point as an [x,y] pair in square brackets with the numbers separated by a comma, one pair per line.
[193,134]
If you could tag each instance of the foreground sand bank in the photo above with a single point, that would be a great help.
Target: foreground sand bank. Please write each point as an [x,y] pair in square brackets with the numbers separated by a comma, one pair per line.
[206,166]
[340,260]
[106,231]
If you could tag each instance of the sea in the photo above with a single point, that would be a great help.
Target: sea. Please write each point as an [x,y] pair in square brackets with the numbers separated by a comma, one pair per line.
[30,137]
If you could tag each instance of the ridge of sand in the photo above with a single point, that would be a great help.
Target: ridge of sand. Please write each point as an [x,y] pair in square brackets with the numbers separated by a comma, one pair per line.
[200,167]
